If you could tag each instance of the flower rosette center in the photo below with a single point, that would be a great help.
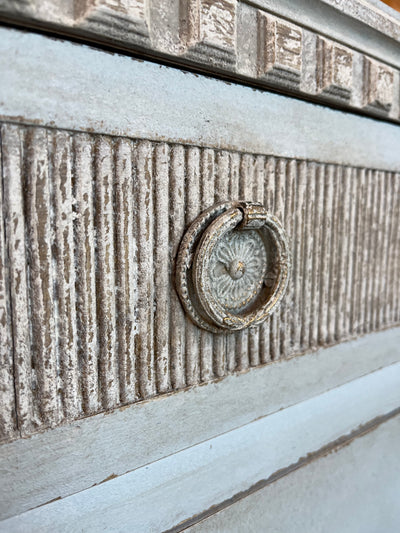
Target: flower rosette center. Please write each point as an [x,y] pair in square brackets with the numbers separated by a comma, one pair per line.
[237,268]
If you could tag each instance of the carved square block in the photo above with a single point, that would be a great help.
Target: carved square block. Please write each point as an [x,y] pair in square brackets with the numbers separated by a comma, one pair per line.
[334,71]
[125,19]
[208,27]
[279,50]
[378,85]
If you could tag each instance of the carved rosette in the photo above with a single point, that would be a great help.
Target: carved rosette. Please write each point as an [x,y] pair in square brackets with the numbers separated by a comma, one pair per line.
[232,267]
[237,268]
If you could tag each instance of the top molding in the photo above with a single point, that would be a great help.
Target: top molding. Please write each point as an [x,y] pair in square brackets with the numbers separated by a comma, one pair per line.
[354,62]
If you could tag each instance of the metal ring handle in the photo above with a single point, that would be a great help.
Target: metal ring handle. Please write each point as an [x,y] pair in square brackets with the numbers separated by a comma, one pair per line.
[233,266]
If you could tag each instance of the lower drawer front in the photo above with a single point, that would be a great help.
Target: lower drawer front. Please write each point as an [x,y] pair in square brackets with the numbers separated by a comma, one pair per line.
[354,488]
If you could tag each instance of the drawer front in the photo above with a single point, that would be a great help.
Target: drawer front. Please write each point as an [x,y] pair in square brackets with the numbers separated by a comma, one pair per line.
[92,228]
[93,223]
[105,162]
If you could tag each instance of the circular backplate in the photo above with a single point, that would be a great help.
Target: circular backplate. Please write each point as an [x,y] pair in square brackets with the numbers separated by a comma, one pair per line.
[232,267]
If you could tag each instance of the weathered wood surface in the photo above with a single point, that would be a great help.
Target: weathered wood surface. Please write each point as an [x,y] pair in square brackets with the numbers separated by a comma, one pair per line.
[74,249]
[352,62]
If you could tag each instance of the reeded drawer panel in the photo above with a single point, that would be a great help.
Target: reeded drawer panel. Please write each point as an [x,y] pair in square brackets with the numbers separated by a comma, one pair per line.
[199,280]
[91,226]
[105,162]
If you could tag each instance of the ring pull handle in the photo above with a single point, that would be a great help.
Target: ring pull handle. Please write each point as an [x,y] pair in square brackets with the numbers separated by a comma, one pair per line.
[233,267]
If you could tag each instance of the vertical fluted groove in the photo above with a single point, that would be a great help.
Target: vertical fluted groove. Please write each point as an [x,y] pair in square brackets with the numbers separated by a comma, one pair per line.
[161,267]
[325,254]
[89,232]
[207,184]
[177,188]
[221,194]
[126,270]
[396,285]
[371,229]
[333,263]
[63,229]
[13,140]
[233,192]
[105,274]
[360,252]
[354,247]
[268,200]
[347,265]
[255,187]
[383,232]
[279,211]
[384,315]
[287,193]
[373,247]
[8,419]
[192,211]
[88,352]
[368,231]
[295,215]
[37,205]
[317,254]
[263,330]
[245,189]
[308,237]
[145,235]
[250,189]
[395,254]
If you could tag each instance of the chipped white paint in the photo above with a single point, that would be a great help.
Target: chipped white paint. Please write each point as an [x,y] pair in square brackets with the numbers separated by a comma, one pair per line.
[225,35]
[378,83]
[279,45]
[334,69]
[218,22]
[7,398]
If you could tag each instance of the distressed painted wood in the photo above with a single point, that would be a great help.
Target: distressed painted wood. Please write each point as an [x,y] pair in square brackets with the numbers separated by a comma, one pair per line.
[353,61]
[101,174]
[280,46]
[334,67]
[7,398]
[89,349]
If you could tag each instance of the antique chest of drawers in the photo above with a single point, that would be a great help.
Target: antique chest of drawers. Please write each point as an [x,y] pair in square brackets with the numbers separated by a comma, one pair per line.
[199,266]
